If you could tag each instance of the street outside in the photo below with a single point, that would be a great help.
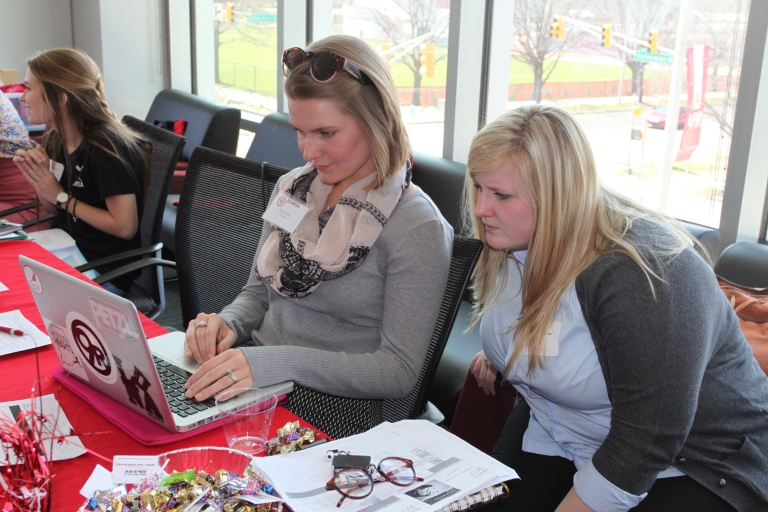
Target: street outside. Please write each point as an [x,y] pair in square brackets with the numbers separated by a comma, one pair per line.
[691,193]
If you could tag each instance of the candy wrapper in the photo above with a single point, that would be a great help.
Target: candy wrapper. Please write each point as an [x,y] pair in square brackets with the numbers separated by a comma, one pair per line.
[224,491]
[290,438]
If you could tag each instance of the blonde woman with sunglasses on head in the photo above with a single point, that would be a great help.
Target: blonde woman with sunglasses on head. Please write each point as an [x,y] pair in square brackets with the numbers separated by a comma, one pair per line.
[638,388]
[346,303]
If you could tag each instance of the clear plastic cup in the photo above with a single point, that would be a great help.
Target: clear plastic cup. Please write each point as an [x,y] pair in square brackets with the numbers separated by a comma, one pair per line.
[246,416]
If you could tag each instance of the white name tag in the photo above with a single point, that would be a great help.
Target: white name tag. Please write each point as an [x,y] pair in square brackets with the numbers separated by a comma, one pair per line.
[132,469]
[56,168]
[285,212]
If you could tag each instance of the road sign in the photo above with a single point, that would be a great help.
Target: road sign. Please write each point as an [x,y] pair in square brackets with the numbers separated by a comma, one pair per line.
[657,58]
[637,135]
[263,17]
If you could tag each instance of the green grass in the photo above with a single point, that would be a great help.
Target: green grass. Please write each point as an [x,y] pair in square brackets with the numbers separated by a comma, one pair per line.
[248,59]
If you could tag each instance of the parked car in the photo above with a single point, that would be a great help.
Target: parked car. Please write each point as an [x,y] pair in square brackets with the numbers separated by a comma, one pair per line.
[658,118]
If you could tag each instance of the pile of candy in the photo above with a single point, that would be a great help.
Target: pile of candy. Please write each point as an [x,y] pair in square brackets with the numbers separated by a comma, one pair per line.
[290,438]
[224,491]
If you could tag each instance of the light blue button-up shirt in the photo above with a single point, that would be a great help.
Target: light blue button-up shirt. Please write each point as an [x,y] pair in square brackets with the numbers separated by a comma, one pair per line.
[570,409]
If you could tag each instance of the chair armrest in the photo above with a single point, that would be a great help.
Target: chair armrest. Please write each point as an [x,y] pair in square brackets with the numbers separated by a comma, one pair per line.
[32,222]
[131,267]
[17,209]
[141,251]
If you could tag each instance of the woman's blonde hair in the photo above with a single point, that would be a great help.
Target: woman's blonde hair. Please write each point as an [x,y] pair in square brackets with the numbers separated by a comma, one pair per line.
[576,219]
[375,108]
[74,73]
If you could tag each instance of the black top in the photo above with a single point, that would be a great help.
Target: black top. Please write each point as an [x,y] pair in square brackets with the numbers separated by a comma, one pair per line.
[96,176]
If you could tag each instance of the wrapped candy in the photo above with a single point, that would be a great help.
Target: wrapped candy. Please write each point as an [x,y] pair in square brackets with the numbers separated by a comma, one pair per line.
[224,491]
[290,437]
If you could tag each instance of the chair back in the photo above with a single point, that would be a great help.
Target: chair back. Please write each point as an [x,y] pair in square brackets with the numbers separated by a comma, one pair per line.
[465,253]
[218,227]
[745,264]
[166,150]
[275,142]
[210,125]
[341,417]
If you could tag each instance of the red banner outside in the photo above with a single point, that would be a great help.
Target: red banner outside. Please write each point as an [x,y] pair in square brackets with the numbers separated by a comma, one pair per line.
[698,61]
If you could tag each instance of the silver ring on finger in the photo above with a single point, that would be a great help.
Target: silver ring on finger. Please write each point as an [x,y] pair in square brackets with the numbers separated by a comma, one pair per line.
[231,375]
[201,324]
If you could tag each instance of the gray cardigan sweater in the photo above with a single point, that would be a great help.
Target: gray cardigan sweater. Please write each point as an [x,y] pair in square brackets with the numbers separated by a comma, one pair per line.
[684,386]
[364,335]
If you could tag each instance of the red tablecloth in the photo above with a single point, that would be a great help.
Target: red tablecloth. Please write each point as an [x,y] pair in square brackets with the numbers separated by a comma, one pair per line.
[19,371]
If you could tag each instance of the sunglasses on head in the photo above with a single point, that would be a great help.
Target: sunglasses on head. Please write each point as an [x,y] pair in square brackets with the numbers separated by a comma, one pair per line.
[323,66]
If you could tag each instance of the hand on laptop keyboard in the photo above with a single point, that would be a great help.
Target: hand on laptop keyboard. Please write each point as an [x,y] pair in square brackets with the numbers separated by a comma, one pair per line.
[227,370]
[206,336]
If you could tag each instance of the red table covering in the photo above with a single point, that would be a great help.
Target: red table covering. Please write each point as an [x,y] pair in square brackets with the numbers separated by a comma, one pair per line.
[19,373]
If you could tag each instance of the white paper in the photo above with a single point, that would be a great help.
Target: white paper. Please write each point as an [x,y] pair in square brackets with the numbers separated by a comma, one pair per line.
[3,288]
[451,469]
[10,343]
[285,212]
[99,480]
[132,469]
[69,448]
[56,168]
[55,240]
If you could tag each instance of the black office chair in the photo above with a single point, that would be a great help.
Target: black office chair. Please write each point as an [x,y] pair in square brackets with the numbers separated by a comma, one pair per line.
[342,417]
[147,292]
[745,264]
[218,227]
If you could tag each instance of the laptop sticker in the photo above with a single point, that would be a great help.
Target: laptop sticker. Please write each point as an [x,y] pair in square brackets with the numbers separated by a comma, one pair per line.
[134,386]
[69,360]
[112,319]
[32,279]
[89,342]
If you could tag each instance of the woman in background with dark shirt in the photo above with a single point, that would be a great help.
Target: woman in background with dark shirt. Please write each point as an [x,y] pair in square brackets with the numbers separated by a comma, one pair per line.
[97,175]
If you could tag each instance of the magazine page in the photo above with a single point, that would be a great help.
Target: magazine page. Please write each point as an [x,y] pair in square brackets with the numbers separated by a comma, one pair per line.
[450,469]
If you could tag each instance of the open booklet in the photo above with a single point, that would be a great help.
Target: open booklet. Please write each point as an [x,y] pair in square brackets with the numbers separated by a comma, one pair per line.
[456,475]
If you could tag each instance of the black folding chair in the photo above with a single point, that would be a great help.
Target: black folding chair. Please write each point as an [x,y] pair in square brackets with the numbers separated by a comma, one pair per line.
[218,227]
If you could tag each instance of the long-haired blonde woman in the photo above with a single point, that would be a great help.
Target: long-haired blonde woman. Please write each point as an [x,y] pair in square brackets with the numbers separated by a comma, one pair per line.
[345,303]
[99,192]
[639,390]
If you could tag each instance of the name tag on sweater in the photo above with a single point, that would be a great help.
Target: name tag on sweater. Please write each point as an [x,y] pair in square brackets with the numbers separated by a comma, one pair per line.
[552,344]
[285,212]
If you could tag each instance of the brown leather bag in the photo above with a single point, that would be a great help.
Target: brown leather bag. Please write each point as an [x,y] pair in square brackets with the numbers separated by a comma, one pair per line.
[751,306]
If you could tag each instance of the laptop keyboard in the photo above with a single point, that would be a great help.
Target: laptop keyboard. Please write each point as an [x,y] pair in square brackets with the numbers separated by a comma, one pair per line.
[173,379]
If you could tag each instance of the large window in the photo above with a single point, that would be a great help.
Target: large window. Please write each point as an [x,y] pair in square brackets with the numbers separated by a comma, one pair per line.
[245,41]
[413,36]
[593,58]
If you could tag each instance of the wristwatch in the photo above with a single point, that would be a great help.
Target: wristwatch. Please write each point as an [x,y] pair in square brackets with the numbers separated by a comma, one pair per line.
[61,199]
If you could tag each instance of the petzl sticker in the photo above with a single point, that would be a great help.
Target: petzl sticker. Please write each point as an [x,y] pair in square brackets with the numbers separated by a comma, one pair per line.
[112,318]
[32,279]
[70,361]
[90,343]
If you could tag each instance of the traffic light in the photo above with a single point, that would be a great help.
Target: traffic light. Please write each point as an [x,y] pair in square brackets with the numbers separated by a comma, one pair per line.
[383,48]
[558,28]
[229,13]
[427,60]
[653,41]
[607,36]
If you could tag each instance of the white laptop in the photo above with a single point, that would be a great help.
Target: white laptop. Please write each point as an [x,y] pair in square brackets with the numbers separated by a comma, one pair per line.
[99,340]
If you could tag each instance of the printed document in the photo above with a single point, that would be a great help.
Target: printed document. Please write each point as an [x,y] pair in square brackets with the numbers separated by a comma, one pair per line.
[450,467]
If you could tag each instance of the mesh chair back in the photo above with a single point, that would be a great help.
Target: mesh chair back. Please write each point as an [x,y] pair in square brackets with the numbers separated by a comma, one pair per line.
[166,150]
[341,417]
[465,254]
[218,227]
